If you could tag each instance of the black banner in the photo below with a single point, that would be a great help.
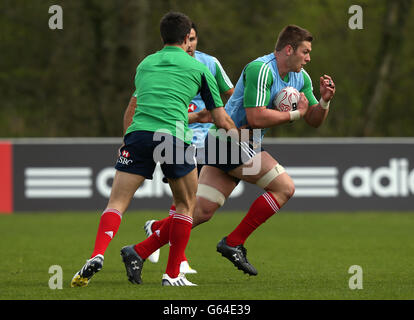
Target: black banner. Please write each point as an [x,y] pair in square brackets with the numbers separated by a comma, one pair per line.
[330,174]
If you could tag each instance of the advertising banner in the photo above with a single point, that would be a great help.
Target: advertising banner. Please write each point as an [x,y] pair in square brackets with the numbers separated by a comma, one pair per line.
[329,175]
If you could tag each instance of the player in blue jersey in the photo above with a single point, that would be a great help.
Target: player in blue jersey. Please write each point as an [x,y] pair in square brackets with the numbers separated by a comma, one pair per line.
[225,86]
[252,105]
[200,129]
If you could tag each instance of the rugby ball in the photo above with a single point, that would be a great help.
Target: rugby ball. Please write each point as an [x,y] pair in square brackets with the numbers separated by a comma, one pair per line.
[287,99]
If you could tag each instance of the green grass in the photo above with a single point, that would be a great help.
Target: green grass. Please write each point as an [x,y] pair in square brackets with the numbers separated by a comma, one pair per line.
[298,256]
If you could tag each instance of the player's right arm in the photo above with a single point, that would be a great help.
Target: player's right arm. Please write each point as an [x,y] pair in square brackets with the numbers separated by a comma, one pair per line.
[129,112]
[258,80]
[128,115]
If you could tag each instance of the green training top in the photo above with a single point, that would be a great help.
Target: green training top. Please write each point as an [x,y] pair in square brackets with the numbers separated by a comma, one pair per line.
[259,82]
[165,83]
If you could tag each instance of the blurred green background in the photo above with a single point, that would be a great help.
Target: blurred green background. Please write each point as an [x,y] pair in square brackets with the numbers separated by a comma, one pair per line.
[77,81]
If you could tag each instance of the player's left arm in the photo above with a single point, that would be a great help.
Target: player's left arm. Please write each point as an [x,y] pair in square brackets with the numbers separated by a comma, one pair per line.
[228,93]
[318,111]
[211,96]
[224,83]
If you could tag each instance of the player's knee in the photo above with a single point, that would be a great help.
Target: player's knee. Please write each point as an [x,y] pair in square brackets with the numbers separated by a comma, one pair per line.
[204,214]
[283,189]
[289,190]
[204,210]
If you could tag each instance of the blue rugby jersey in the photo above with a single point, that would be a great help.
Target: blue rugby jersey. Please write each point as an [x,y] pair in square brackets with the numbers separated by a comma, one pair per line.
[264,89]
[197,104]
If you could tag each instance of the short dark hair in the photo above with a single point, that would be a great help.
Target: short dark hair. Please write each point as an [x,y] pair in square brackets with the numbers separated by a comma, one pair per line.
[194,26]
[174,26]
[292,35]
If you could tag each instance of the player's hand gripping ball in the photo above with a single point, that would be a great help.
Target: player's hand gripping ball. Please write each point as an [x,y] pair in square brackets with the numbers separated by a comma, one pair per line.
[287,99]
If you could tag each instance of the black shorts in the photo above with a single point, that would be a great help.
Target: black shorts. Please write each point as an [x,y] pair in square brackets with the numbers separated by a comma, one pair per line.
[142,152]
[199,155]
[200,159]
[228,155]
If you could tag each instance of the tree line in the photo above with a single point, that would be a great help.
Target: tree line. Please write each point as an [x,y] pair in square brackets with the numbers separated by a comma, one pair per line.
[77,81]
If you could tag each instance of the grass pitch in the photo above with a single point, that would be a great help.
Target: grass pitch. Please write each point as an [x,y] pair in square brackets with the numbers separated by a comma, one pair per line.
[298,256]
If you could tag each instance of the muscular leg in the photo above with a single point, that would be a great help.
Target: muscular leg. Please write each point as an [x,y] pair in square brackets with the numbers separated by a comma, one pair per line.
[280,189]
[184,194]
[278,185]
[183,190]
[203,211]
[123,189]
[221,182]
[157,224]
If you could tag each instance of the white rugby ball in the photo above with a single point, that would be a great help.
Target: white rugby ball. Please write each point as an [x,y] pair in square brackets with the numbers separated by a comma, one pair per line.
[287,99]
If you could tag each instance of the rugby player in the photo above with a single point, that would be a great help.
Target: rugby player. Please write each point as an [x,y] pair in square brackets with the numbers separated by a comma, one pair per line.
[200,129]
[252,104]
[165,82]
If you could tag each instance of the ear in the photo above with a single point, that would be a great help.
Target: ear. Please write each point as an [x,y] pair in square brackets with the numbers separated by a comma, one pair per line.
[289,50]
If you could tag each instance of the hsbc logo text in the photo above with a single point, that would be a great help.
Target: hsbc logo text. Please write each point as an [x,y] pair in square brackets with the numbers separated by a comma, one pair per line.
[123,159]
[395,180]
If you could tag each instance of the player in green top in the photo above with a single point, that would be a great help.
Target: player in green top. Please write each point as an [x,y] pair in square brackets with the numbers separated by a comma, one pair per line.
[200,130]
[184,77]
[165,81]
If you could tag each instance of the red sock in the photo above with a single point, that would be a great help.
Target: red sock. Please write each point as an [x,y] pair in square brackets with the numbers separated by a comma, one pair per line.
[108,227]
[262,209]
[159,238]
[157,224]
[180,230]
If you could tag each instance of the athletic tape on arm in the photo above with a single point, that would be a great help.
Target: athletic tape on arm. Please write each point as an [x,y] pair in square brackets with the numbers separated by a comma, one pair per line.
[269,176]
[211,194]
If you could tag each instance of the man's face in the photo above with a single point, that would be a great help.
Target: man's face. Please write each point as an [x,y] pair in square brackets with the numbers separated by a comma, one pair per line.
[193,43]
[300,57]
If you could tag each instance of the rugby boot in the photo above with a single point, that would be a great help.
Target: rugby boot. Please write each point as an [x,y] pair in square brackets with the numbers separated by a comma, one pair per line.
[237,255]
